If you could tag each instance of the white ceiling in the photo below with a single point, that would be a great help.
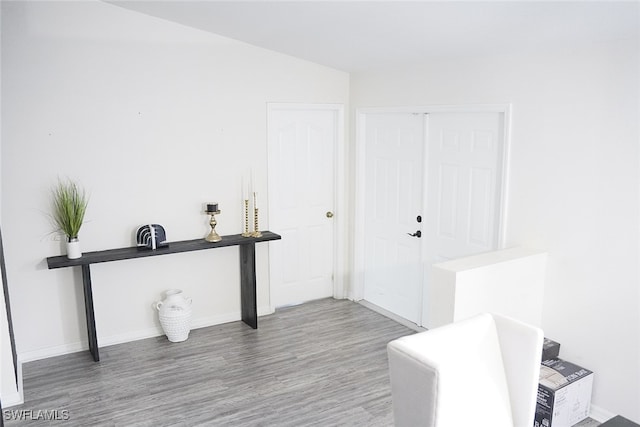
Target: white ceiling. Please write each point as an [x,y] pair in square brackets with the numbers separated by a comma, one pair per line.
[364,35]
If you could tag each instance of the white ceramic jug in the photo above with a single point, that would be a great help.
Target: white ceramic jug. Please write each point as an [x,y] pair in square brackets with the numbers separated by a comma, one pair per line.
[173,301]
[174,313]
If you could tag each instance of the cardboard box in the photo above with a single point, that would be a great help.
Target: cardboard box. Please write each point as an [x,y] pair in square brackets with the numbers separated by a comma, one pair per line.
[550,349]
[564,394]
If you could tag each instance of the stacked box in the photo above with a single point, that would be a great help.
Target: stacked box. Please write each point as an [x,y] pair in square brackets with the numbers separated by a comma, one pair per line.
[564,394]
[550,349]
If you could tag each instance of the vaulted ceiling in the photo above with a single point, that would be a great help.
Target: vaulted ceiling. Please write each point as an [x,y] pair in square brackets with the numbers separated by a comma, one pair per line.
[363,35]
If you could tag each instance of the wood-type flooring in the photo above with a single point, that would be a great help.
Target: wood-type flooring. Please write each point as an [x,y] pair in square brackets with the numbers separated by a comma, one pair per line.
[322,363]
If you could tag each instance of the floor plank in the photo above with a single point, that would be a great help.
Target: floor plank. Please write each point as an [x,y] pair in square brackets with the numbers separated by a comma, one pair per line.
[321,363]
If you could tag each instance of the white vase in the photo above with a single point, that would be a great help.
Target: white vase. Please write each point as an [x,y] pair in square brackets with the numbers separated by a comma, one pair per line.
[174,313]
[73,249]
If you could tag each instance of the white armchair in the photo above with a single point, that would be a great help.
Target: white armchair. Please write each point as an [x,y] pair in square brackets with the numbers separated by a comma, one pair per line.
[482,371]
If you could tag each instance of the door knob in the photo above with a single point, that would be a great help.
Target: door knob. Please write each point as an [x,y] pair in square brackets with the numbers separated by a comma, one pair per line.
[417,234]
[329,214]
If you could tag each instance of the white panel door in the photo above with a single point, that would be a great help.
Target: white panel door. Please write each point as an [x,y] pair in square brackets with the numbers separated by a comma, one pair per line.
[456,188]
[393,201]
[464,184]
[301,201]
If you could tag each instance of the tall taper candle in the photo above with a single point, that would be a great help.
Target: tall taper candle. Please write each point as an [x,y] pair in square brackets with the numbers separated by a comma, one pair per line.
[251,190]
[244,189]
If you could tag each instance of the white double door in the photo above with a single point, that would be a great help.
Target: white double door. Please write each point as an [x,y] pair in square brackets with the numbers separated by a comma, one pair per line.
[433,186]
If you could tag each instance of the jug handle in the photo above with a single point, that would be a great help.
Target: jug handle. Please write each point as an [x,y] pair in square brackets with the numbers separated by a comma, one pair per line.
[158,305]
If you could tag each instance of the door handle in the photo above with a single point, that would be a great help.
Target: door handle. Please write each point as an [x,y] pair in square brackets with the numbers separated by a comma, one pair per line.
[417,234]
[329,214]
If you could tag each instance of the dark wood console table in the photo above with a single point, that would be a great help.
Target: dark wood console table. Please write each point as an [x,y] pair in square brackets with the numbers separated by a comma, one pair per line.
[247,272]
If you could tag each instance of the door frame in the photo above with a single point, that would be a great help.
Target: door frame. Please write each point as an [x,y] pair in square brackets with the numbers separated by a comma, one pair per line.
[339,195]
[357,290]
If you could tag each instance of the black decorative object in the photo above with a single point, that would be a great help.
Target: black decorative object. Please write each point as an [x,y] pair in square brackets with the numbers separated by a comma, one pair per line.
[151,236]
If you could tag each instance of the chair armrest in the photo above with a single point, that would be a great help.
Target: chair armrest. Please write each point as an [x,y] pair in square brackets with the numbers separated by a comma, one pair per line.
[521,347]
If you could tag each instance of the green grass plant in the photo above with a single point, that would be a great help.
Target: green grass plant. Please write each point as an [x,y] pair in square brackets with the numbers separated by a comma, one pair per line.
[69,206]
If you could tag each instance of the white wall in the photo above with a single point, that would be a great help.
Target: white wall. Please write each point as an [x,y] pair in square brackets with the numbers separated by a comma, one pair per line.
[573,187]
[154,119]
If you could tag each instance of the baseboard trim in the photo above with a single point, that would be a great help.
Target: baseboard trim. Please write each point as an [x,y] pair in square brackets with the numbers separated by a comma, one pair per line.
[17,397]
[44,353]
[12,399]
[599,414]
[141,334]
[391,316]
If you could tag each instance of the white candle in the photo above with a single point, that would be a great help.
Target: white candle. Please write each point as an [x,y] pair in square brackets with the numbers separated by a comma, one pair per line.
[251,181]
[245,191]
[255,200]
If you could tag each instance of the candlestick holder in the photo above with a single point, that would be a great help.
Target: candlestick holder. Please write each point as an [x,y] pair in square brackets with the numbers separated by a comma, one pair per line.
[213,236]
[246,232]
[256,229]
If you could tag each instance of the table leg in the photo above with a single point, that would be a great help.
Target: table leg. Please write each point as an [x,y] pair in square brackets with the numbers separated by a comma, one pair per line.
[248,284]
[88,308]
